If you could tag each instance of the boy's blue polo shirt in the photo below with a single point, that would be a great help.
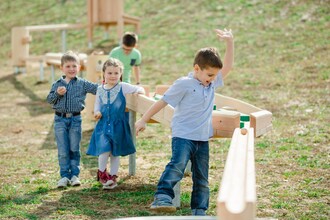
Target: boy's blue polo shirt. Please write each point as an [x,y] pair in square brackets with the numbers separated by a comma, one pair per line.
[193,105]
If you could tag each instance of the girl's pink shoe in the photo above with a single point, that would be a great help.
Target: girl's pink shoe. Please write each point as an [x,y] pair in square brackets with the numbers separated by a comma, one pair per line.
[104,178]
[113,184]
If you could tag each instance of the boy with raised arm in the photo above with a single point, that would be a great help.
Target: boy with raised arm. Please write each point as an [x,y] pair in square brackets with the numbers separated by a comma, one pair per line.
[192,98]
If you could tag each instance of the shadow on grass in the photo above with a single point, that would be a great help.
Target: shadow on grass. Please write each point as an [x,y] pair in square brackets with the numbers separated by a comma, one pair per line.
[125,200]
[36,106]
[27,198]
[88,161]
[50,143]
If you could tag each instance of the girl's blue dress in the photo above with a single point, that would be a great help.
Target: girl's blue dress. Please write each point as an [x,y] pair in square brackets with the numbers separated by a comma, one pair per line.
[112,132]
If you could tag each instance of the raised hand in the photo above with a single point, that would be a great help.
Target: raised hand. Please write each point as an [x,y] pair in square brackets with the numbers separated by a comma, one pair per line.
[224,34]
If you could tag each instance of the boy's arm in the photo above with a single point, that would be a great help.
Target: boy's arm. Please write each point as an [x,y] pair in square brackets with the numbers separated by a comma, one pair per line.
[228,60]
[140,125]
[136,70]
[90,87]
[53,96]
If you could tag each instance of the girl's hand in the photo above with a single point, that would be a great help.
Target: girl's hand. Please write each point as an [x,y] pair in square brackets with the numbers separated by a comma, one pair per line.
[97,115]
[224,34]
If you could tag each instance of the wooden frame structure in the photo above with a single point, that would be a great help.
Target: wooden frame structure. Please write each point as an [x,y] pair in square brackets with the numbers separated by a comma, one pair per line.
[109,13]
[100,13]
[21,39]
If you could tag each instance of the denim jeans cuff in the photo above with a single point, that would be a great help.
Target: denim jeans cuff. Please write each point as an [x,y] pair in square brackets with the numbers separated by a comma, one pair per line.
[200,212]
[163,197]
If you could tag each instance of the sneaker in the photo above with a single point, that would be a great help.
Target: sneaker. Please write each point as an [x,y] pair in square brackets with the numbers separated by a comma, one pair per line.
[162,206]
[75,181]
[62,183]
[104,178]
[114,184]
[199,212]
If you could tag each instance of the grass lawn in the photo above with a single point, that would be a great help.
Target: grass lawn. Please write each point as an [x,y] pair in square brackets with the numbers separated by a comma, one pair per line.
[281,64]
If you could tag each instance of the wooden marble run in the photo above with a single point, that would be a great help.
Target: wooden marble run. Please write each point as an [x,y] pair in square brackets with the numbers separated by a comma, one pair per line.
[237,196]
[228,114]
[231,118]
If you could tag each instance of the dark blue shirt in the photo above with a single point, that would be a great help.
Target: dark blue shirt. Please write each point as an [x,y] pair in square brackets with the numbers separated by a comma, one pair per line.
[74,98]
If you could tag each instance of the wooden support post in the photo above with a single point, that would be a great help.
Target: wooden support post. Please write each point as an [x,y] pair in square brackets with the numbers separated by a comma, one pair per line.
[93,74]
[20,45]
[52,73]
[261,121]
[63,41]
[90,23]
[132,157]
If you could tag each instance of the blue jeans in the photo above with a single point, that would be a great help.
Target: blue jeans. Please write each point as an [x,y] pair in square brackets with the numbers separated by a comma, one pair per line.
[184,150]
[68,136]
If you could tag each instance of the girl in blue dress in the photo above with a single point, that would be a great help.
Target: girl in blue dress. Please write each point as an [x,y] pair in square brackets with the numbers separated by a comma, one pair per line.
[112,135]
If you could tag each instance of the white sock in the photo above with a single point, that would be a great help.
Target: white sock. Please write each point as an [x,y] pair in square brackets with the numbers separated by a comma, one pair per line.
[114,164]
[103,160]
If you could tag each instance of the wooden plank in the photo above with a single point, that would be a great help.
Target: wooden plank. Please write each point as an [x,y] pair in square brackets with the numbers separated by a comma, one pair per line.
[222,101]
[237,195]
[260,121]
[224,123]
[161,89]
[94,74]
[54,27]
[263,131]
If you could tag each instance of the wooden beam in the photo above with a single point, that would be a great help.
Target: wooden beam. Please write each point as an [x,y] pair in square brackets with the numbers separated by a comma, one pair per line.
[237,196]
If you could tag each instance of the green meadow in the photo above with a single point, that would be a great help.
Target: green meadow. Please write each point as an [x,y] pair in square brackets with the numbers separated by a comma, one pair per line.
[281,64]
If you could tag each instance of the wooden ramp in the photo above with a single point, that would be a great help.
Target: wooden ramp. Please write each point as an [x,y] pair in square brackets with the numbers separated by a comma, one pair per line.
[237,197]
[224,121]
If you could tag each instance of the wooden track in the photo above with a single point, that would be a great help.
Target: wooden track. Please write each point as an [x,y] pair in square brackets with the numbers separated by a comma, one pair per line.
[224,121]
[237,196]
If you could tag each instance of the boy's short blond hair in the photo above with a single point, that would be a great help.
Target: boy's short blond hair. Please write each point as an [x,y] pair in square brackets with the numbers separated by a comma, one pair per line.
[113,62]
[208,57]
[70,56]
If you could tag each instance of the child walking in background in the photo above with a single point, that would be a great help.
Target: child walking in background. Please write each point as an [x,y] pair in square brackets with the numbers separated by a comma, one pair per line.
[112,135]
[67,96]
[192,98]
[129,56]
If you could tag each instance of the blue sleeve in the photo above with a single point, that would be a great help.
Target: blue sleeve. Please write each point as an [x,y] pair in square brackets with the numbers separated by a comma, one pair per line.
[53,96]
[218,82]
[175,93]
[90,87]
